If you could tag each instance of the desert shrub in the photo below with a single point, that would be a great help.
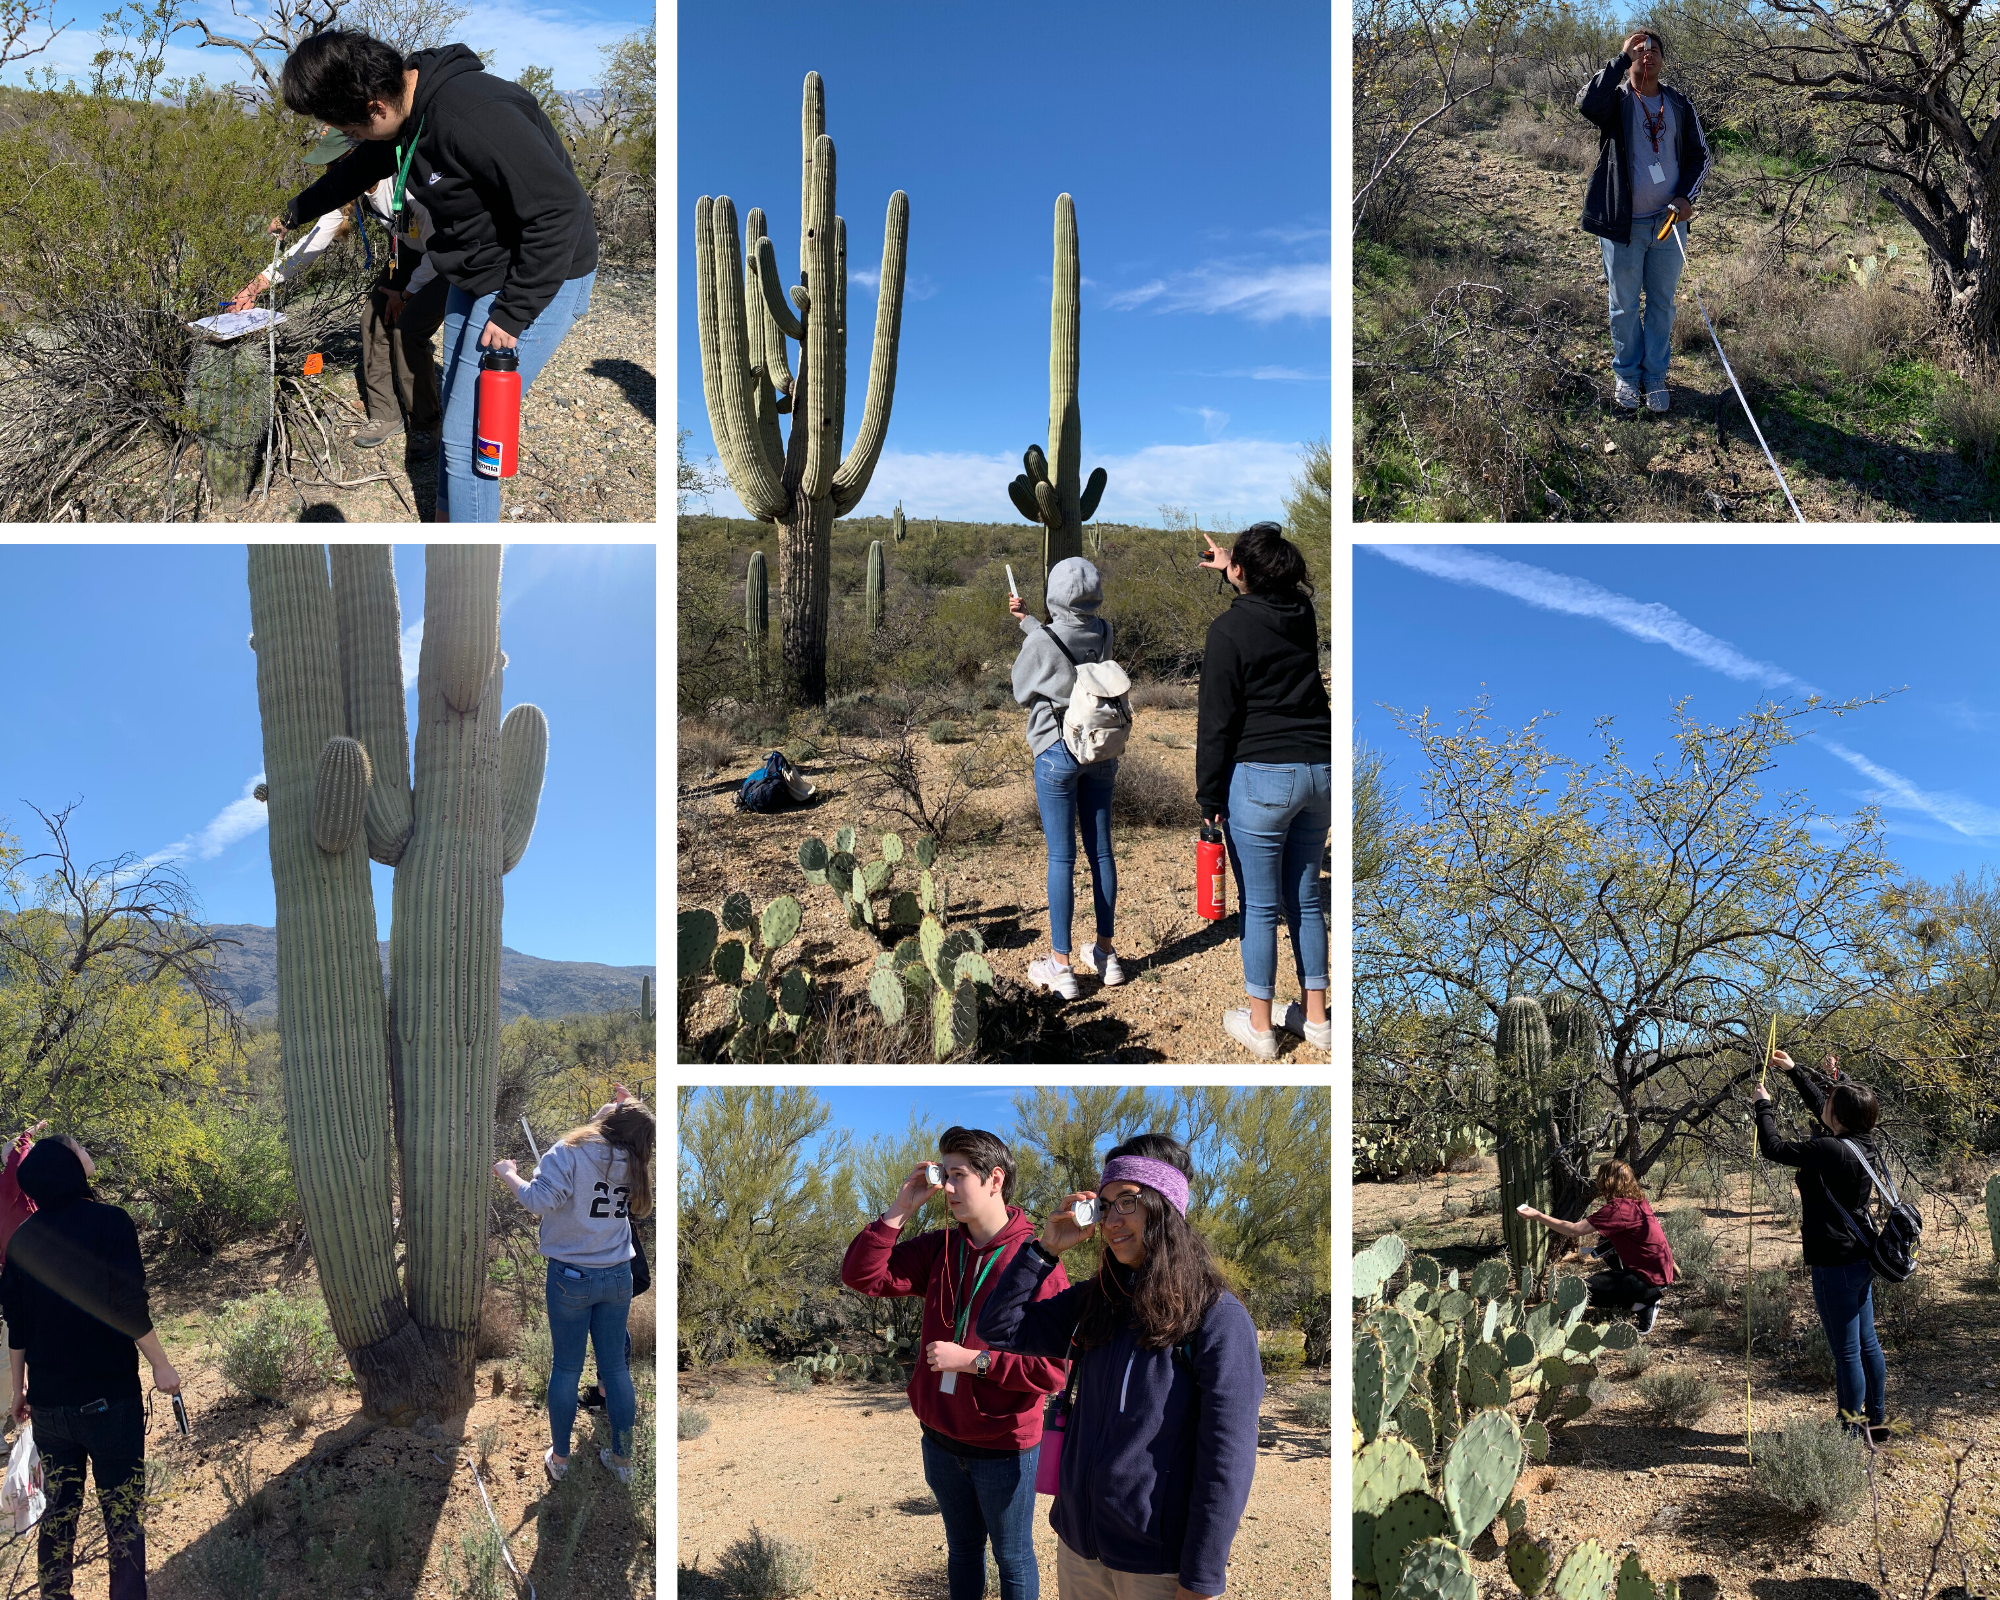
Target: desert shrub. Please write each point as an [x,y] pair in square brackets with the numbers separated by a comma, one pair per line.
[1638,1360]
[1157,694]
[1969,413]
[1678,1399]
[944,731]
[276,1347]
[1688,1238]
[1813,1468]
[382,1514]
[1315,1406]
[701,748]
[1909,1312]
[236,1183]
[641,1324]
[1860,329]
[1150,793]
[1699,1320]
[252,1497]
[561,1518]
[499,1326]
[790,1380]
[692,1423]
[537,1356]
[613,143]
[1462,1153]
[231,1569]
[1554,146]
[476,1570]
[1815,1359]
[1767,1306]
[762,1566]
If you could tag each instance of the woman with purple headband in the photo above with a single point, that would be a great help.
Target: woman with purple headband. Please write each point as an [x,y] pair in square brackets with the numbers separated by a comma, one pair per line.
[1161,1436]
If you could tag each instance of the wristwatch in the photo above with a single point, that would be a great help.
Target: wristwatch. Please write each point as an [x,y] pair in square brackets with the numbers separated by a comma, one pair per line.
[981,1362]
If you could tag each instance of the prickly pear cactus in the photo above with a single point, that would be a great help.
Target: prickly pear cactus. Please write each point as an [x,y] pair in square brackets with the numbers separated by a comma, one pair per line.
[1437,1569]
[1528,1563]
[1403,1523]
[1585,1575]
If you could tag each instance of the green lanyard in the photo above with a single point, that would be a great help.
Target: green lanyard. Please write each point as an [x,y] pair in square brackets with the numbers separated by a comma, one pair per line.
[965,1313]
[403,172]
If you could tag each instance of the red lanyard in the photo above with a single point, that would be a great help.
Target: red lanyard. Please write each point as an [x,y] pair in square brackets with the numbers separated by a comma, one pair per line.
[1654,129]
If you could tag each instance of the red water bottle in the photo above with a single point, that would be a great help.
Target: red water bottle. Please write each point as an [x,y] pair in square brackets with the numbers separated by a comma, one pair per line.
[1209,857]
[496,441]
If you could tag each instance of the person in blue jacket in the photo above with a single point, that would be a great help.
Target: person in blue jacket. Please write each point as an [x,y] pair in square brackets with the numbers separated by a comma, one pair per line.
[1161,1441]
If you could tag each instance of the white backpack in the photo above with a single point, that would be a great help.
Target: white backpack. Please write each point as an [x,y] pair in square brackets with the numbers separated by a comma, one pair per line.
[1098,720]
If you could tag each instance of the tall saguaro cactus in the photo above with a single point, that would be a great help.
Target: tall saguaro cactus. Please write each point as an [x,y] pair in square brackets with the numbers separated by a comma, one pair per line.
[1056,502]
[800,483]
[418,1071]
[1522,1051]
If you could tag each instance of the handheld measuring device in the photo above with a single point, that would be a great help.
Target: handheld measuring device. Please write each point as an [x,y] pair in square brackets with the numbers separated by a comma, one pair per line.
[1016,593]
[530,1132]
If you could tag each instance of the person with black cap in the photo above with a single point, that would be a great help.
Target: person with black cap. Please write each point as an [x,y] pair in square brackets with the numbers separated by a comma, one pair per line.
[74,1295]
[405,308]
[513,231]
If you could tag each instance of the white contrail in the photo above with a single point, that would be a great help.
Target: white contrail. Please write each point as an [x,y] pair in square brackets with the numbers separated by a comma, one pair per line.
[237,820]
[1962,816]
[1578,597]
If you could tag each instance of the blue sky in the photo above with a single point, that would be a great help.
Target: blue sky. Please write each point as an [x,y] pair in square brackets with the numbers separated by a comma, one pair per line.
[1199,158]
[1625,630]
[510,35]
[131,687]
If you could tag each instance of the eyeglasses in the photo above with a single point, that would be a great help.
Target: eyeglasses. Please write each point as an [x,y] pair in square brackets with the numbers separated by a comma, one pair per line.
[1124,1205]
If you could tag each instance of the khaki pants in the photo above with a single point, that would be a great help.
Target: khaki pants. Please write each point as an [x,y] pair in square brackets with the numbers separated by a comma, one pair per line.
[398,370]
[1078,1578]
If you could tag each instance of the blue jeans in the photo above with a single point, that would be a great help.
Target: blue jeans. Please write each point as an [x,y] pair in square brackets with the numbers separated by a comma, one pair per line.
[1278,817]
[982,1500]
[1641,348]
[1846,1302]
[1073,797]
[462,495]
[590,1303]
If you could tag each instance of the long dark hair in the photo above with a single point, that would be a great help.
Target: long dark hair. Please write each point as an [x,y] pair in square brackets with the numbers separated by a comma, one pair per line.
[1176,1283]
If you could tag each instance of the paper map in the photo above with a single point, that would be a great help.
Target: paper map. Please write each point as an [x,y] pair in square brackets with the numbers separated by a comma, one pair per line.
[234,324]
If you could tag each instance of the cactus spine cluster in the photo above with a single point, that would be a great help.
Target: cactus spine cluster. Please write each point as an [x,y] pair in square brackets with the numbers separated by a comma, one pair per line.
[1053,497]
[878,579]
[801,483]
[757,617]
[1437,1449]
[423,1066]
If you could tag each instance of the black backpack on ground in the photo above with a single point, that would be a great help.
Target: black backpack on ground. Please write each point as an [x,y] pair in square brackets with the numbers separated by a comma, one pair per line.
[1892,1247]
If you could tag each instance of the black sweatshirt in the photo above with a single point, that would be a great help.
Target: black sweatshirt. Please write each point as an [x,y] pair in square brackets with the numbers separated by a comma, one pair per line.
[1607,201]
[509,211]
[1262,698]
[74,1289]
[1825,1165]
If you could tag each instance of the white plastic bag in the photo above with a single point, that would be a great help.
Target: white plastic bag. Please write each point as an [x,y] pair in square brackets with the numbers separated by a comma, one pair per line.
[21,1494]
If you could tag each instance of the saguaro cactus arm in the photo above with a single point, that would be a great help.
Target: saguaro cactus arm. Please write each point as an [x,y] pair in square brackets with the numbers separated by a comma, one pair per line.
[524,755]
[825,358]
[850,483]
[727,379]
[340,794]
[371,679]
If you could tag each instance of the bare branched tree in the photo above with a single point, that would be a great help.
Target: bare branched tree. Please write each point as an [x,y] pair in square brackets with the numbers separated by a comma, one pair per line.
[283,27]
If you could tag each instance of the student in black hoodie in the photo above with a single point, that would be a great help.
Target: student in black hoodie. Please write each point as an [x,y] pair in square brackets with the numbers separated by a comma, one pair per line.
[74,1294]
[512,228]
[1832,1178]
[1263,772]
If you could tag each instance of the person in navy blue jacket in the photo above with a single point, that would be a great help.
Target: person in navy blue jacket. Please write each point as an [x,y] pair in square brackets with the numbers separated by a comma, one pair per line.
[1161,1442]
[1651,160]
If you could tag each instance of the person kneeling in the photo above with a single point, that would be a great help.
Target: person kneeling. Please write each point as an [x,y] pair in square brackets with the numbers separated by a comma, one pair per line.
[1627,1223]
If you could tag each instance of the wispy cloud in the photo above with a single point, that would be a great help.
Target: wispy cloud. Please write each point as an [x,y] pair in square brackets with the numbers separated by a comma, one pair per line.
[1261,292]
[1967,818]
[237,820]
[1212,421]
[1578,597]
[1228,480]
[1295,233]
[413,644]
[916,285]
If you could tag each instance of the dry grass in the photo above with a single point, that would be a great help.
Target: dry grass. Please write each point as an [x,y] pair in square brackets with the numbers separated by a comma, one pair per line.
[1151,794]
[702,748]
[1970,413]
[1562,143]
[499,1327]
[1165,695]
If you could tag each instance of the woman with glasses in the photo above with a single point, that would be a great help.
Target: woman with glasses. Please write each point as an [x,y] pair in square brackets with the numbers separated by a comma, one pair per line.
[1160,1443]
[1263,773]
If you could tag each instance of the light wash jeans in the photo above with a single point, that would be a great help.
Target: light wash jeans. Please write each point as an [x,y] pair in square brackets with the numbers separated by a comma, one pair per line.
[1278,817]
[590,1303]
[1072,797]
[1641,346]
[462,495]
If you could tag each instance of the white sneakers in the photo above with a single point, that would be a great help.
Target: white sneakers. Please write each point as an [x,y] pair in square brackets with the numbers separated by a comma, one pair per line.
[1236,1023]
[1657,400]
[1109,972]
[1627,395]
[622,1474]
[1317,1034]
[1051,975]
[557,1470]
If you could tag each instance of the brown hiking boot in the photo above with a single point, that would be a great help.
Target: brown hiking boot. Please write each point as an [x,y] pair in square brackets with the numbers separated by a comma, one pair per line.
[375,434]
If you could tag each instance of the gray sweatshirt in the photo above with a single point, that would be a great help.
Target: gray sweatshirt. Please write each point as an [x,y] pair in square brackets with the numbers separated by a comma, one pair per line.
[1042,677]
[580,1193]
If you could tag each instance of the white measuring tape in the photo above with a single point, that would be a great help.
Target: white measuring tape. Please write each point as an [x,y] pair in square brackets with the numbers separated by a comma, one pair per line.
[1729,369]
[271,415]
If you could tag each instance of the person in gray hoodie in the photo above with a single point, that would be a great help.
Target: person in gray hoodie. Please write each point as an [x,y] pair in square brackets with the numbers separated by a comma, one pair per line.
[1069,796]
[586,1189]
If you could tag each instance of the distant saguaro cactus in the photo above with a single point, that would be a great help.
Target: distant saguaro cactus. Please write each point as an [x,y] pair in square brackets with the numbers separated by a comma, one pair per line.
[421,1067]
[896,525]
[757,617]
[1056,502]
[878,578]
[801,484]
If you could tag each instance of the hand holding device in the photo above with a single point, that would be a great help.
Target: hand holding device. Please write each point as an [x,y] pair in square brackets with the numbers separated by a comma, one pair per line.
[181,1414]
[1084,1213]
[1062,1231]
[1011,586]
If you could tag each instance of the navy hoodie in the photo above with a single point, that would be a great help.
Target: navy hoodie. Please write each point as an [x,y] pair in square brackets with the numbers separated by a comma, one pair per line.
[1607,203]
[1160,1448]
[508,210]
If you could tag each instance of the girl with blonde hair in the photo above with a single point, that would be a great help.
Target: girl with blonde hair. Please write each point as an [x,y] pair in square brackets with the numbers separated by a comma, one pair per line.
[586,1190]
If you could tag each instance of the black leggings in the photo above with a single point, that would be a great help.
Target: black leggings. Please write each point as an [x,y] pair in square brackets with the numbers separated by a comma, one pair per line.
[1618,1289]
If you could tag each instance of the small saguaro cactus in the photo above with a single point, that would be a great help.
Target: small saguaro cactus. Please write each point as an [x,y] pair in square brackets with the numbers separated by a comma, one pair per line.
[897,527]
[757,616]
[878,578]
[229,398]
[646,999]
[1056,501]
[1523,1052]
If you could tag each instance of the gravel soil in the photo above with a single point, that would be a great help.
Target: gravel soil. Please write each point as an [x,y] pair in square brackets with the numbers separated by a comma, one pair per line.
[838,1470]
[1683,1498]
[235,1440]
[1182,971]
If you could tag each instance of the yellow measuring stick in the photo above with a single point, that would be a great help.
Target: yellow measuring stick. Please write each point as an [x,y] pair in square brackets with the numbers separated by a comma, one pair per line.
[1750,1247]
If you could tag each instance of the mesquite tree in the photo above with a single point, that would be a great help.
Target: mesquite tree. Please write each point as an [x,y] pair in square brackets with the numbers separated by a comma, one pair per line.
[405,1081]
[1058,501]
[801,483]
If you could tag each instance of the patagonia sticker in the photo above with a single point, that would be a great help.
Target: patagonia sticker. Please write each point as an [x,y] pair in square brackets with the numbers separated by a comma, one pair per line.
[486,457]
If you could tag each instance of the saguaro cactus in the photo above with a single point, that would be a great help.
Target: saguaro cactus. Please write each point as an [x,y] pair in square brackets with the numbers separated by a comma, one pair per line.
[1056,502]
[1523,1052]
[800,483]
[896,524]
[420,1068]
[229,397]
[878,578]
[757,617]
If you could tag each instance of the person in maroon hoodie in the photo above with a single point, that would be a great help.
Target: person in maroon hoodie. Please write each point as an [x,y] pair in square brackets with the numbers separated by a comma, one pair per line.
[980,1409]
[1626,1221]
[15,1206]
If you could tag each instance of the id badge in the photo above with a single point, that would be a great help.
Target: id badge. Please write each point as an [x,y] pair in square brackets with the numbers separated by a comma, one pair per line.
[1659,172]
[948,1384]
